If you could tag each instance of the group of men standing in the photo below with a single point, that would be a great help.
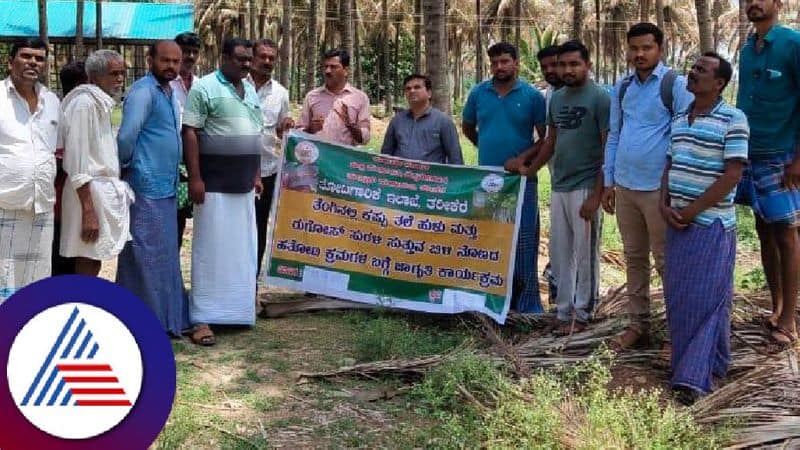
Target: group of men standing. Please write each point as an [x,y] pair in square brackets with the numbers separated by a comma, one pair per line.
[664,153]
[669,157]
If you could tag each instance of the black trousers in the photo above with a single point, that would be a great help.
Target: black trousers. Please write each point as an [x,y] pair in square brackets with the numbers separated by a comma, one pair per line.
[263,206]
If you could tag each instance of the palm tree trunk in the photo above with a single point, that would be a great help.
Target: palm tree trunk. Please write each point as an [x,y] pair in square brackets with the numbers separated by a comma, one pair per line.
[311,41]
[253,21]
[244,19]
[660,14]
[79,51]
[478,44]
[704,25]
[346,25]
[98,33]
[396,91]
[457,70]
[329,24]
[418,36]
[577,18]
[644,10]
[357,44]
[517,22]
[436,52]
[286,43]
[597,41]
[386,94]
[716,11]
[42,7]
[43,35]
[744,25]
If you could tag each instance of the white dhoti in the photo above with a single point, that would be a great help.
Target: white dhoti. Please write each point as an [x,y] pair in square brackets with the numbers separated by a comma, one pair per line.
[112,199]
[26,243]
[224,253]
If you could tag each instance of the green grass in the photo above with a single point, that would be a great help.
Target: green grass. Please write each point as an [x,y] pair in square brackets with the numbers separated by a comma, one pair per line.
[470,402]
[388,336]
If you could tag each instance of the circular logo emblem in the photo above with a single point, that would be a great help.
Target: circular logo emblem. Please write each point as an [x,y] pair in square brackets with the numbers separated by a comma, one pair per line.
[306,152]
[87,366]
[492,183]
[61,346]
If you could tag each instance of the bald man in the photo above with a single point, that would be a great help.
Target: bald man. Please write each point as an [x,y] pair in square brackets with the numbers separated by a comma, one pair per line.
[149,152]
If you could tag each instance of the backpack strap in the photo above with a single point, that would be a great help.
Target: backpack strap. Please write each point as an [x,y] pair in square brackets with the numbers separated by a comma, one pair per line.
[622,89]
[666,90]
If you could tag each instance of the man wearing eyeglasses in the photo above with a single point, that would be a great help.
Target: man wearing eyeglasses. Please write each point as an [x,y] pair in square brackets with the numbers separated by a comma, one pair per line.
[769,94]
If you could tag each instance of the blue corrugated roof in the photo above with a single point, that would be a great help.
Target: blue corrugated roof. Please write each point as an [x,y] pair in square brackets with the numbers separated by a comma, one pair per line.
[121,20]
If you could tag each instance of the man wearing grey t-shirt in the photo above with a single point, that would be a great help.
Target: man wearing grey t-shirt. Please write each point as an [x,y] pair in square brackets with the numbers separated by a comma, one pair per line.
[422,132]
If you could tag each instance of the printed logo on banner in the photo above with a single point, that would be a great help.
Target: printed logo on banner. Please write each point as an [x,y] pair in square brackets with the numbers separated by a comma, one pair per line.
[87,366]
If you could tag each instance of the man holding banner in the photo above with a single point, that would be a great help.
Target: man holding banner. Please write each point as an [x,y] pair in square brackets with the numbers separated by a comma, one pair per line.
[499,117]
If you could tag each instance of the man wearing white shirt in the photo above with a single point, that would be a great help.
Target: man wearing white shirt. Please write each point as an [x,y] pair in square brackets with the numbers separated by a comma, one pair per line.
[275,109]
[190,49]
[29,117]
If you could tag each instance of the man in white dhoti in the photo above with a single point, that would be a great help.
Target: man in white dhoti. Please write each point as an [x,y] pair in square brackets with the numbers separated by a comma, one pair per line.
[222,147]
[29,119]
[95,216]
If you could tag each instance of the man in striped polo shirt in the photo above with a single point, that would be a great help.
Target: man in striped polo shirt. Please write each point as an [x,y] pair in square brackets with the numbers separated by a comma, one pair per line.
[222,146]
[705,161]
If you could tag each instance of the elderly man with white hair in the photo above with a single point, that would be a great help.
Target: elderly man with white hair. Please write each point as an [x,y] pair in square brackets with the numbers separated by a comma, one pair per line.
[95,212]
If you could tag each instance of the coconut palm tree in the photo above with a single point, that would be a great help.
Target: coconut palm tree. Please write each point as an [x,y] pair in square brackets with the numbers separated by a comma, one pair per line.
[311,41]
[436,52]
[286,42]
[79,51]
[704,25]
[577,19]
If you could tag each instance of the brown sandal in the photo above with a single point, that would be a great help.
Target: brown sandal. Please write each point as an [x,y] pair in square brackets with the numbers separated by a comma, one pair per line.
[202,335]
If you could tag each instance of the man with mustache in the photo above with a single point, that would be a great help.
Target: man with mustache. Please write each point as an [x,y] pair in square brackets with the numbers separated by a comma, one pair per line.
[500,117]
[642,108]
[707,154]
[577,130]
[29,121]
[222,124]
[769,94]
[422,132]
[95,219]
[149,151]
[190,50]
[274,109]
[337,110]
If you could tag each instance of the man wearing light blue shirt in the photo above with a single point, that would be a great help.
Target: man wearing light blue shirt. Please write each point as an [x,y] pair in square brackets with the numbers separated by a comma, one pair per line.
[150,149]
[642,109]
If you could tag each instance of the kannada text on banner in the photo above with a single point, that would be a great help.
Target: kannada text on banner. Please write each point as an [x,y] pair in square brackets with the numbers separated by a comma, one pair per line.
[385,230]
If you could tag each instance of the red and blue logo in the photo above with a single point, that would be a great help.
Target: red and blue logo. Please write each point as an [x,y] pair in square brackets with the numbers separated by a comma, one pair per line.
[87,366]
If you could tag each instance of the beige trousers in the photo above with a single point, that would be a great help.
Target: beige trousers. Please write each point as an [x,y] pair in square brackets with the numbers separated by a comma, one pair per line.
[643,232]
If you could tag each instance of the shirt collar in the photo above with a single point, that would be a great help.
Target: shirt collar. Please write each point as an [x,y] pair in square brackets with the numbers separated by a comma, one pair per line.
[38,88]
[717,105]
[517,84]
[425,113]
[771,35]
[347,88]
